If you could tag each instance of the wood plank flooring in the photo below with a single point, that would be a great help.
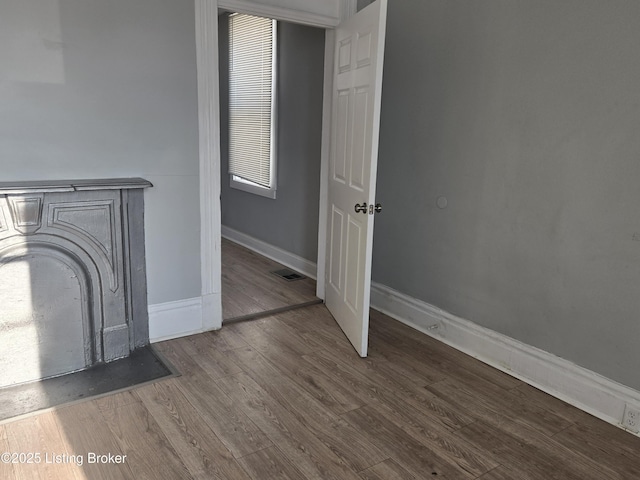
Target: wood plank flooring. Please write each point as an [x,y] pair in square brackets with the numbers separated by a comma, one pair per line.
[249,287]
[286,397]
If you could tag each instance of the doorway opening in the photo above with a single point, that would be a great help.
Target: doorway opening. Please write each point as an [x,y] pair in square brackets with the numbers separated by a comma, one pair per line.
[352,90]
[262,234]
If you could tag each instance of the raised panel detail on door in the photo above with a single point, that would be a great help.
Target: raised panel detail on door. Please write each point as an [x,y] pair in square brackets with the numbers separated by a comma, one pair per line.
[335,252]
[361,155]
[354,242]
[342,147]
[364,49]
[344,55]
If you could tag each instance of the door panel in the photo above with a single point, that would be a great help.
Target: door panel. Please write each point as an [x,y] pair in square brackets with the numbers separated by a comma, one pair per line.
[352,169]
[360,163]
[343,138]
[355,239]
[335,250]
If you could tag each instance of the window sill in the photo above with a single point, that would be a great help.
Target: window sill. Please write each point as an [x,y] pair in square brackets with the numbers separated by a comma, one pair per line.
[250,187]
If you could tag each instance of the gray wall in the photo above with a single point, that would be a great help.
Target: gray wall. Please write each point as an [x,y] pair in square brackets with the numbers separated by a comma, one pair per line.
[360,4]
[291,220]
[94,88]
[525,116]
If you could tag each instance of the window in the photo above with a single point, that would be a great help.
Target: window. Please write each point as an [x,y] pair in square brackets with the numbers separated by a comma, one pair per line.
[252,42]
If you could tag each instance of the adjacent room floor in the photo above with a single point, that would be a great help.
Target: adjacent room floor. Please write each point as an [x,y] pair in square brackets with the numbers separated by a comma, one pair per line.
[250,287]
[287,397]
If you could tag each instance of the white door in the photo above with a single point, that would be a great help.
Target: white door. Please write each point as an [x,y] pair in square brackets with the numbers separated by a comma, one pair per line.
[357,90]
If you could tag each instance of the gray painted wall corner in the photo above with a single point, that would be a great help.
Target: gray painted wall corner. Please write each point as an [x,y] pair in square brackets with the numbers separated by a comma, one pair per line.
[524,116]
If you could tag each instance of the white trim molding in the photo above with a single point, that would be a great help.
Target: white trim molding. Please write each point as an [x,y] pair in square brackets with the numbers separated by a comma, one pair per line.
[276,254]
[348,8]
[582,388]
[309,12]
[209,130]
[175,319]
[325,155]
[302,14]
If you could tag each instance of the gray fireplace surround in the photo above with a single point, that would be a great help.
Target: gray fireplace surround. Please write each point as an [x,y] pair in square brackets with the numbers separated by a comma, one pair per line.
[73,290]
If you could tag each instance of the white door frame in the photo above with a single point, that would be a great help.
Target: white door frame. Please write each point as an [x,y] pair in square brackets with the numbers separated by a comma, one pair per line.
[206,13]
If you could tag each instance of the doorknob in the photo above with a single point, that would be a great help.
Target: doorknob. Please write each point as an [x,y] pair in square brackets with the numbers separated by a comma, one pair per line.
[361,208]
[377,207]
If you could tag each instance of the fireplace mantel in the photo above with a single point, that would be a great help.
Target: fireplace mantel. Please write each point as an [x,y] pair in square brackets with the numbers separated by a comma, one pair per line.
[48,186]
[72,275]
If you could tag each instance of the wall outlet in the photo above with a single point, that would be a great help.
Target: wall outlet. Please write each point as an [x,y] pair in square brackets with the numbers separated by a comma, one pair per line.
[631,419]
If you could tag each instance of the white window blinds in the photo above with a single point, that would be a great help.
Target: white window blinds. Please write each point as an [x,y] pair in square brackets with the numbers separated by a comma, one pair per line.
[251,92]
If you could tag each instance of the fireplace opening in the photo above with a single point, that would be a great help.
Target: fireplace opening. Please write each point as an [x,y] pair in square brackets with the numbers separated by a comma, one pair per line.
[45,324]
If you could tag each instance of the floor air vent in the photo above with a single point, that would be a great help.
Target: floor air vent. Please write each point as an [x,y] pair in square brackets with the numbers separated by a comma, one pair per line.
[288,275]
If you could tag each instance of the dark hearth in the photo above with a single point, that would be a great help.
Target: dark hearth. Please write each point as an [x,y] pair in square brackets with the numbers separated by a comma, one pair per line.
[142,366]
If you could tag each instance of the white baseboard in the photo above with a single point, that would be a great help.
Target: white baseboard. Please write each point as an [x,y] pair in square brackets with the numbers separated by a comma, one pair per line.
[586,390]
[276,254]
[175,319]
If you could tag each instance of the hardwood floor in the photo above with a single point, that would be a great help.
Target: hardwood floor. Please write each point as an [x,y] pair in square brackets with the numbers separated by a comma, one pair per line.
[286,397]
[249,287]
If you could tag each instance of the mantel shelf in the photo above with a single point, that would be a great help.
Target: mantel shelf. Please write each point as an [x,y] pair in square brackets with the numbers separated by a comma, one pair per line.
[48,186]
